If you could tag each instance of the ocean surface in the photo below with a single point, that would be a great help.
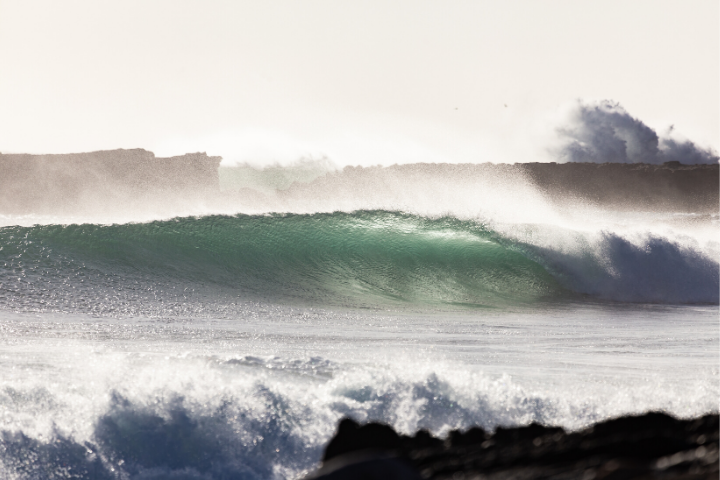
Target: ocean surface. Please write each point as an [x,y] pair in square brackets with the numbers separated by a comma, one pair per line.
[226,340]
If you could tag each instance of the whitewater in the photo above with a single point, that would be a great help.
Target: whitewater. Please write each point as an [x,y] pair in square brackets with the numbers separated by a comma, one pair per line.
[226,337]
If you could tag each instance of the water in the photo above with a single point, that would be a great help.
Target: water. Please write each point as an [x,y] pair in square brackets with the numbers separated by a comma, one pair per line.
[229,343]
[258,395]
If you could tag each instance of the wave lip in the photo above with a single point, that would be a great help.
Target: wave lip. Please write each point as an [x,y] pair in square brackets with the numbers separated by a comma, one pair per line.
[646,268]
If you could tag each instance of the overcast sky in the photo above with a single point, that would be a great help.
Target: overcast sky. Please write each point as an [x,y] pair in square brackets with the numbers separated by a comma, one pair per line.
[363,82]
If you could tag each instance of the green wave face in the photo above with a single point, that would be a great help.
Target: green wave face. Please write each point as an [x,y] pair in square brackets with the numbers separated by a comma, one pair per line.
[356,259]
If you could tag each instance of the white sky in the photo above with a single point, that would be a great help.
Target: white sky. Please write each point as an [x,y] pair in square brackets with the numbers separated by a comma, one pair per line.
[364,82]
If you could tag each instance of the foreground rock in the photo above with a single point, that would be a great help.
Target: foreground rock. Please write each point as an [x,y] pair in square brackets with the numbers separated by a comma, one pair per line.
[649,446]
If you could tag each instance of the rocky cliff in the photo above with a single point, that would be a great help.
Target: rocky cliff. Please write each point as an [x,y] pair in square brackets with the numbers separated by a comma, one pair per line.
[670,186]
[134,179]
[67,182]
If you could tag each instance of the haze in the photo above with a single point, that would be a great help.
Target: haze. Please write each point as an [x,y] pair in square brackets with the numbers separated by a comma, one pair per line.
[358,82]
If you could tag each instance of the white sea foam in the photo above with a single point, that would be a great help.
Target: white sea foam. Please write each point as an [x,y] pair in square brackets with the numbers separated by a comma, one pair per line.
[259,398]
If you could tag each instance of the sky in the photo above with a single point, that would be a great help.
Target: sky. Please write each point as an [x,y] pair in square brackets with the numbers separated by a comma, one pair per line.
[371,82]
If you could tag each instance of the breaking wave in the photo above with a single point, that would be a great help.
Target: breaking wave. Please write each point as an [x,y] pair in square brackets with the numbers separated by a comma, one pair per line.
[359,259]
[258,418]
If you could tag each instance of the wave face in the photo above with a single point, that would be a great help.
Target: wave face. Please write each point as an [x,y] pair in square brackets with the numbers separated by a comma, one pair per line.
[359,259]
[364,258]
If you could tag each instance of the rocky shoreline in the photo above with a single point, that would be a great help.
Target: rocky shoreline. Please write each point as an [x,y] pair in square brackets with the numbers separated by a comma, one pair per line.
[649,446]
[93,181]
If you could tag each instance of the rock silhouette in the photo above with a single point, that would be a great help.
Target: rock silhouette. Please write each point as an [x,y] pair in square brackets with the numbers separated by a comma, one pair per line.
[653,445]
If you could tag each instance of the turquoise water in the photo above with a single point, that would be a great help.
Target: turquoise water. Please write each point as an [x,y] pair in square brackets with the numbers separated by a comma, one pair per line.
[372,259]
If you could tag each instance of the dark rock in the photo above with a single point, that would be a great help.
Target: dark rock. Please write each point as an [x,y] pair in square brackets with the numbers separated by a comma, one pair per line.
[366,465]
[470,437]
[653,445]
[352,437]
[423,439]
[531,432]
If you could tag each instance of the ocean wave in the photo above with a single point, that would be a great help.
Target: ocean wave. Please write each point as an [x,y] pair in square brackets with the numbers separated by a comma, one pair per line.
[640,267]
[359,259]
[255,418]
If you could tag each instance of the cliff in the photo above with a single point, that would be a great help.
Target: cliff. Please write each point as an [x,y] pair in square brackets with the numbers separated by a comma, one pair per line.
[136,179]
[48,183]
[670,186]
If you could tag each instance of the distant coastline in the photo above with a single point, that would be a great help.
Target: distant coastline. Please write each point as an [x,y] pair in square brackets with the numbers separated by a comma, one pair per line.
[669,186]
[66,182]
[61,182]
